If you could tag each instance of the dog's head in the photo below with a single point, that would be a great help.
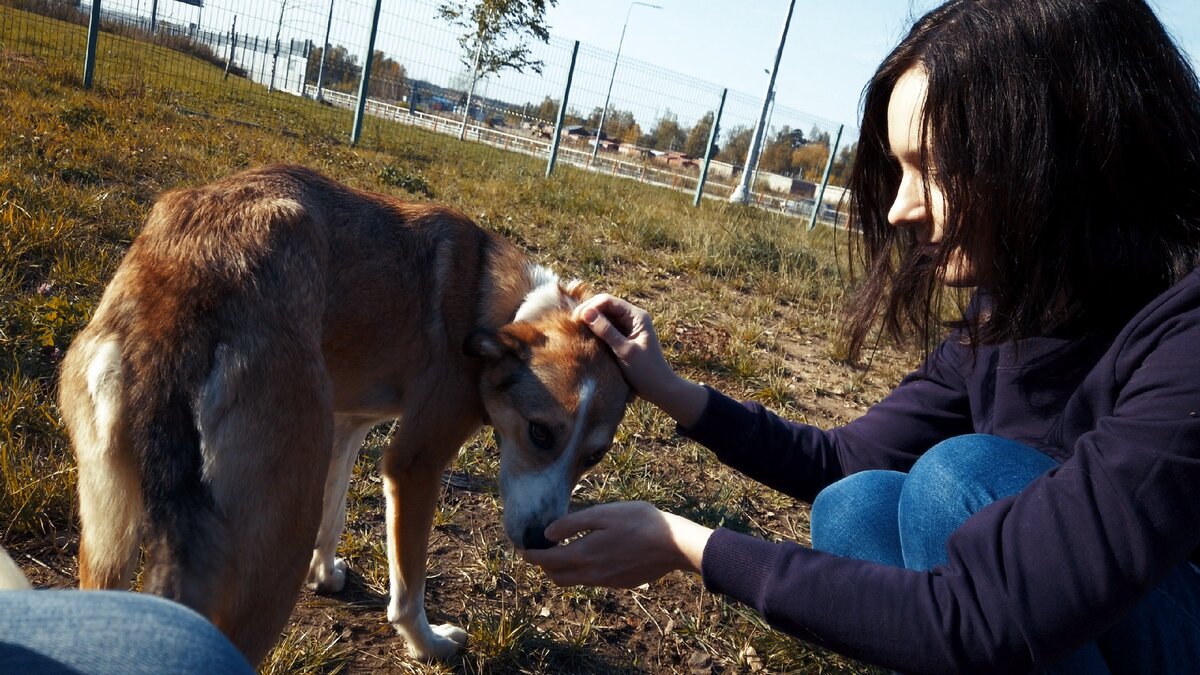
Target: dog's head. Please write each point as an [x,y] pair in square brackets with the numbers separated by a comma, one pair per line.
[555,395]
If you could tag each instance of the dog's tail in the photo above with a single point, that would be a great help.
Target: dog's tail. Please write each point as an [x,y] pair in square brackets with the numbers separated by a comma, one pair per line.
[184,530]
[111,513]
[129,405]
[130,398]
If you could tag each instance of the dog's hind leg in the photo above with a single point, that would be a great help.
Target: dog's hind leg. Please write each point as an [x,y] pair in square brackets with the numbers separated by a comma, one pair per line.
[266,459]
[327,572]
[412,476]
[110,492]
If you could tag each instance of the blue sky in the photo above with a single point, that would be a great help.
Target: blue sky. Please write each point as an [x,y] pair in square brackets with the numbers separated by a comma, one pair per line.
[833,46]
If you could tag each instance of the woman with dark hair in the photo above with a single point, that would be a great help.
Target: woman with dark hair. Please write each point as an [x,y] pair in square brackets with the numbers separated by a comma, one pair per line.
[1028,497]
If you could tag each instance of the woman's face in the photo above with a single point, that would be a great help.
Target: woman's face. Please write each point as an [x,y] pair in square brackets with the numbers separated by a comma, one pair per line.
[911,209]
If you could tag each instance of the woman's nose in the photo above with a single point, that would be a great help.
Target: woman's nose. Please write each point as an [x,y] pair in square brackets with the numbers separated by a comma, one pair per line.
[909,207]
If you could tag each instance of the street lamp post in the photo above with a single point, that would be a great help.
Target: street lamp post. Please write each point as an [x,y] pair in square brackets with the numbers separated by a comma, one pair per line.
[324,56]
[278,29]
[607,96]
[741,193]
[766,130]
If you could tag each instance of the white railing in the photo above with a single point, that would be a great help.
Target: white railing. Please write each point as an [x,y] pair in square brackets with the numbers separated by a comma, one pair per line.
[641,171]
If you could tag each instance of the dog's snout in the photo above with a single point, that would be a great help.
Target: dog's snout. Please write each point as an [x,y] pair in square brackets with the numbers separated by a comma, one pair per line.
[535,537]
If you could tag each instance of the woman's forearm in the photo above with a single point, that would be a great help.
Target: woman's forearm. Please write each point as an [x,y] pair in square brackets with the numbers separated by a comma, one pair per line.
[682,399]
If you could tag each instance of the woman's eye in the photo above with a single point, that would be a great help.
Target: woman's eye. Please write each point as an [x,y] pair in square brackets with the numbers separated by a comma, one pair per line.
[541,436]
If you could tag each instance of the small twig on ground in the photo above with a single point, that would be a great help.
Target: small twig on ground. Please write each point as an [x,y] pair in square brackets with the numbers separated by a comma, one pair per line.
[634,595]
[48,566]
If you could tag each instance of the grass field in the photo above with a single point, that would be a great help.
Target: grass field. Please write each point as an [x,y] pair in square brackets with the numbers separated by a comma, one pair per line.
[743,300]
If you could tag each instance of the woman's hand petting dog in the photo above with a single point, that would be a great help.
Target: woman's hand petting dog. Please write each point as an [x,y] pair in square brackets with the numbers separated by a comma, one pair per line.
[629,332]
[623,545]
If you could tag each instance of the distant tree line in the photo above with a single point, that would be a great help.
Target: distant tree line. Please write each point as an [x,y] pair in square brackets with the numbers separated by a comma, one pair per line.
[389,80]
[788,152]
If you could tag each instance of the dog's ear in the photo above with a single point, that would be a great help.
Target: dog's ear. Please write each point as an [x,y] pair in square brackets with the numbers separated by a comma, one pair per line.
[516,340]
[578,291]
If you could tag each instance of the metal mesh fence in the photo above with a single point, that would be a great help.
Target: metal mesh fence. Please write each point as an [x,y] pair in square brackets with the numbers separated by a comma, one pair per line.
[273,62]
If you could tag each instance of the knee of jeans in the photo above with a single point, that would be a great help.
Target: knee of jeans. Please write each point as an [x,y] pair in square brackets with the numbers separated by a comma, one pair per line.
[855,499]
[954,461]
[953,467]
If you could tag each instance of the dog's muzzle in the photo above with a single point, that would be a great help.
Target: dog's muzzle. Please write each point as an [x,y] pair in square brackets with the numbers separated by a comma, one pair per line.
[534,537]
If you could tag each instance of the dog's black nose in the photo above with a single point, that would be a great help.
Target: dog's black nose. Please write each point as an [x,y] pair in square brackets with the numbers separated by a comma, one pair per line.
[535,537]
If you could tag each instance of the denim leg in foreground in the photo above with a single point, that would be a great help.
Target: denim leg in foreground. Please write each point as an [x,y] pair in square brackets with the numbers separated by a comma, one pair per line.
[108,633]
[950,483]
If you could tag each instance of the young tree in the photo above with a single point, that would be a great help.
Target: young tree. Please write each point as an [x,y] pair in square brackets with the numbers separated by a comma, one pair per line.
[496,32]
[573,117]
[667,134]
[313,67]
[808,161]
[777,156]
[619,123]
[593,118]
[388,78]
[697,137]
[546,111]
[632,134]
[840,173]
[341,67]
[736,146]
[818,136]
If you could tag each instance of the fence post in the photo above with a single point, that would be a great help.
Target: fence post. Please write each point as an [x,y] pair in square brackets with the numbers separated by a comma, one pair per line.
[812,221]
[232,47]
[562,113]
[712,139]
[364,84]
[153,16]
[256,63]
[89,59]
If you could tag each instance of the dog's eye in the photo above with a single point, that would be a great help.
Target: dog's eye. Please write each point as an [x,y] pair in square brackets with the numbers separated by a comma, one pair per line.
[541,436]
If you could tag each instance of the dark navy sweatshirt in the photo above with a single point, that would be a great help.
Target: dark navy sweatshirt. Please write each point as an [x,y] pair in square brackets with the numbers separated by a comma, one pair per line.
[1029,578]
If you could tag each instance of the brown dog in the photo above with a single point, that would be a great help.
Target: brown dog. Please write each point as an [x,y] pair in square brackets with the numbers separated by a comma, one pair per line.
[255,332]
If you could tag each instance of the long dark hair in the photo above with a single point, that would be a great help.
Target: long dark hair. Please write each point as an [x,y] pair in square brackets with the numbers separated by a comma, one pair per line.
[1065,135]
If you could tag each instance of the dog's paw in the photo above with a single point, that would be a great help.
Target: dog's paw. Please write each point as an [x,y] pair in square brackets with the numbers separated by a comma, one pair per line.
[446,641]
[323,579]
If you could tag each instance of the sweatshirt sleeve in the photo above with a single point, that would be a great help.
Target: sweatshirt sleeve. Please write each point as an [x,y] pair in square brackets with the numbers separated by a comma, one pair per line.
[928,406]
[1029,578]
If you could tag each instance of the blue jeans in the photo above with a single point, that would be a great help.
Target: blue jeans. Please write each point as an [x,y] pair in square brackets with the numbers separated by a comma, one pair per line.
[904,520]
[108,633]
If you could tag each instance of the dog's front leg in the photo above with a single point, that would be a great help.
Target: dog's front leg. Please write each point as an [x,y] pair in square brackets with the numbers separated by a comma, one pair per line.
[411,493]
[327,572]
